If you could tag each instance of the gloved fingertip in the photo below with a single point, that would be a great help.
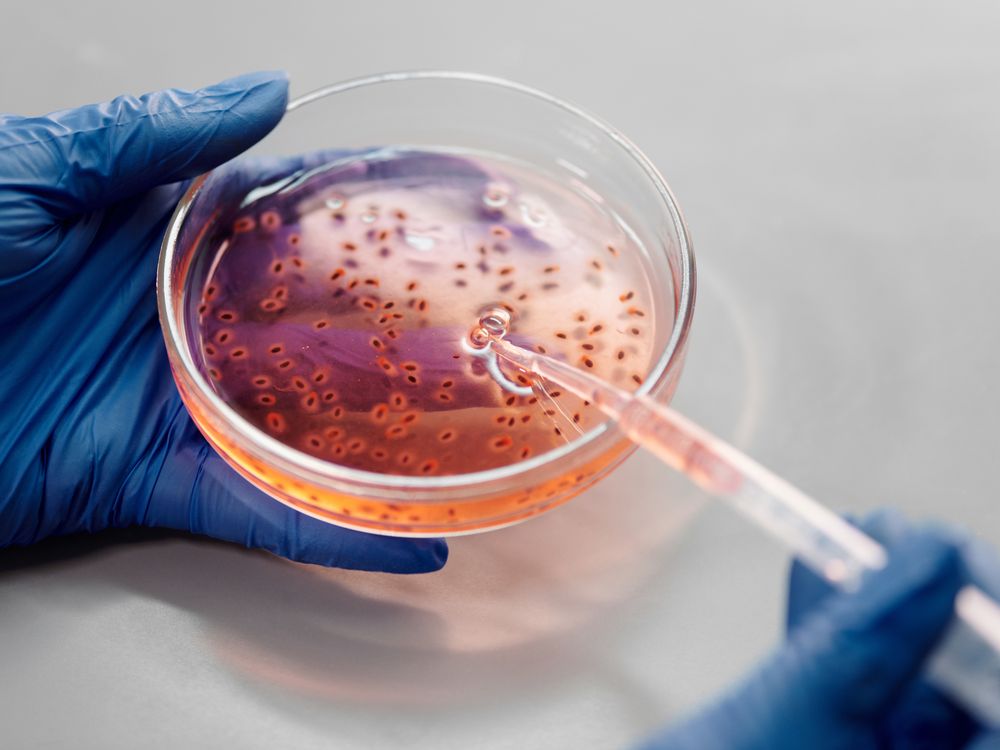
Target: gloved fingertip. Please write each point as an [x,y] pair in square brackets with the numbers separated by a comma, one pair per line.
[851,517]
[274,81]
[439,549]
[883,524]
[920,561]
[305,539]
[427,556]
[806,591]
[385,554]
[982,563]
[256,100]
[252,105]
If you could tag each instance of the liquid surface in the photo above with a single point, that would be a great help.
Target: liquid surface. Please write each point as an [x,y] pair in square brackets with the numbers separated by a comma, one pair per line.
[340,299]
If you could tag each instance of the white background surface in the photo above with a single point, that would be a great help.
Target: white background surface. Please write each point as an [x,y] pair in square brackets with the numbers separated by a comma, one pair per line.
[839,165]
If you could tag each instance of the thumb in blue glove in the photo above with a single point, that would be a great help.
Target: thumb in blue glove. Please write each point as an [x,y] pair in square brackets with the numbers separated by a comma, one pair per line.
[93,434]
[849,674]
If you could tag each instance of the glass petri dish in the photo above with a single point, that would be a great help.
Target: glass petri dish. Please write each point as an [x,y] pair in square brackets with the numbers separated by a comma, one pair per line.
[459,115]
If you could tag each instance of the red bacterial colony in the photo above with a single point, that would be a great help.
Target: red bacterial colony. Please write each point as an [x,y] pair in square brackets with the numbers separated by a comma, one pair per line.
[334,314]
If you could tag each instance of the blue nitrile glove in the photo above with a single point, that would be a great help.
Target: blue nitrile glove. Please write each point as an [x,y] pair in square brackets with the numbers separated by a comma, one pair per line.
[848,677]
[92,432]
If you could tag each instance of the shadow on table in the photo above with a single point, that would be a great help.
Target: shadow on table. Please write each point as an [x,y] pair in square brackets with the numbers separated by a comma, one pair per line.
[58,550]
[513,610]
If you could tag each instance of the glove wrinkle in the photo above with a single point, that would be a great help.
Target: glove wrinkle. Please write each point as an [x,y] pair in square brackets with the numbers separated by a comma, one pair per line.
[42,514]
[149,467]
[200,456]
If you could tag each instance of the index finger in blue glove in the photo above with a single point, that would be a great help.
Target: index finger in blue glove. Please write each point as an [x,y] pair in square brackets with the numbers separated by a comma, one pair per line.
[73,162]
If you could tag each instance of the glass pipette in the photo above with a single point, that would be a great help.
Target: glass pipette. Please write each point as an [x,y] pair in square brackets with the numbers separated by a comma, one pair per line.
[966,663]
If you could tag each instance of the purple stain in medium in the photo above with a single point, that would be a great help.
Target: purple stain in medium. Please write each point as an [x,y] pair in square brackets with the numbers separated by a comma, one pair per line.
[336,310]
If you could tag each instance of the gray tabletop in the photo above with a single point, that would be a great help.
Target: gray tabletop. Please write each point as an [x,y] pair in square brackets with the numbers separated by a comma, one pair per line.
[839,165]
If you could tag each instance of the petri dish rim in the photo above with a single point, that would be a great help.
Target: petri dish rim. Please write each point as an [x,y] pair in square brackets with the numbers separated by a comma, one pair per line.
[325,470]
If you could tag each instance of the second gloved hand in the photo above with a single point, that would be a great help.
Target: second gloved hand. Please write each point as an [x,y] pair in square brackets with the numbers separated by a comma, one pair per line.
[849,676]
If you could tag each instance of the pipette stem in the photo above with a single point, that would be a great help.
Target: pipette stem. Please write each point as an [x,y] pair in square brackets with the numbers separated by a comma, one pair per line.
[832,547]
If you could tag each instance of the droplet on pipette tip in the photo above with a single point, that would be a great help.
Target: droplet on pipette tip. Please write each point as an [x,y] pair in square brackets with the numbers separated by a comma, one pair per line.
[496,321]
[493,324]
[479,338]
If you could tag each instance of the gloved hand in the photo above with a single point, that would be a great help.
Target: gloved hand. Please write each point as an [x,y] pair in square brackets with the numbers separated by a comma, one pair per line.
[848,677]
[92,432]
